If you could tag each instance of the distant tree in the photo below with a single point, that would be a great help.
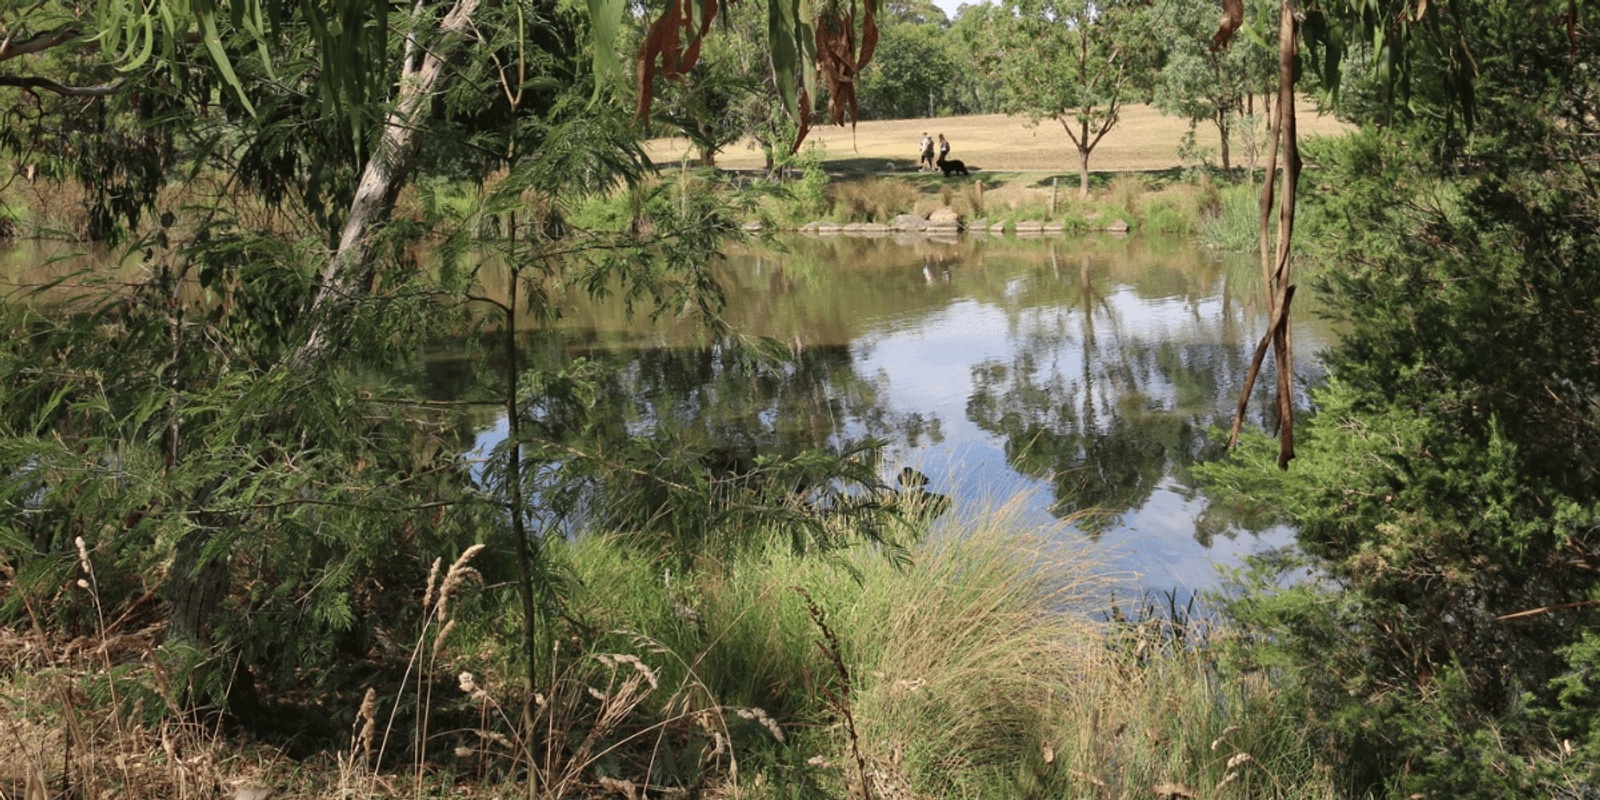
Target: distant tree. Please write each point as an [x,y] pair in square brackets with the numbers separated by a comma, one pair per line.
[915,72]
[915,12]
[973,35]
[1076,62]
[1202,85]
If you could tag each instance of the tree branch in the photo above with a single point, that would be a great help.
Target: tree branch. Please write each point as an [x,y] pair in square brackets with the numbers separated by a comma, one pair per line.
[36,43]
[388,167]
[31,84]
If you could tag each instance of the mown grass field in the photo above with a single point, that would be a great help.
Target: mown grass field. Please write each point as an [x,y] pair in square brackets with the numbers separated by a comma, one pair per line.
[1144,141]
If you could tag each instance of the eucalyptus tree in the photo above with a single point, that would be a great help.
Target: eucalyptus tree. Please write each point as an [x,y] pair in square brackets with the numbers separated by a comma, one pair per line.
[1077,62]
[1205,85]
[240,427]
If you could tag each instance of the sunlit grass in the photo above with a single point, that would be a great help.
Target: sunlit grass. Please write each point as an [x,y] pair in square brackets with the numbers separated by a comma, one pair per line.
[978,668]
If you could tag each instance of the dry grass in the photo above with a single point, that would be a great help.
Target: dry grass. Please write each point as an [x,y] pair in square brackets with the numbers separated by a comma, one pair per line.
[1024,170]
[976,673]
[97,716]
[973,672]
[1145,140]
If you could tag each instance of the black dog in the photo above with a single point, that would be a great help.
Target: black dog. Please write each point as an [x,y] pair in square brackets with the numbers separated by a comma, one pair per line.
[952,167]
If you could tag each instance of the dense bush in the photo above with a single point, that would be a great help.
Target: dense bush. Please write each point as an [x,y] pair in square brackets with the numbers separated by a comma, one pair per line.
[1446,490]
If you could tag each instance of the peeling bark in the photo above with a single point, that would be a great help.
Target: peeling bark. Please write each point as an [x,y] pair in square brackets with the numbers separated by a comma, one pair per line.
[386,170]
[1275,261]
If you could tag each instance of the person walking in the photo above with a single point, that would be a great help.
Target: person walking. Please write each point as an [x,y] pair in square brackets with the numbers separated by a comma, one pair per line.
[944,148]
[925,163]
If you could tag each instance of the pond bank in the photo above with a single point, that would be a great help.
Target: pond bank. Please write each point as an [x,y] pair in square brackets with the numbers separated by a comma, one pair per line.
[945,221]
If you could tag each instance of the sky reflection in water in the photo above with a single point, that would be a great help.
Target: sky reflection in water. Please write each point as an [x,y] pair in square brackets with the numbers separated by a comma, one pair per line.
[1086,375]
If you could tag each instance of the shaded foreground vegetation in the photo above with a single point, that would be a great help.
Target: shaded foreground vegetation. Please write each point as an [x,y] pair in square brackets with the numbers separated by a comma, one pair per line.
[972,671]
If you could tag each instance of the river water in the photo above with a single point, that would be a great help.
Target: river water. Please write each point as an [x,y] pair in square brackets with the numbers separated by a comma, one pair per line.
[1081,377]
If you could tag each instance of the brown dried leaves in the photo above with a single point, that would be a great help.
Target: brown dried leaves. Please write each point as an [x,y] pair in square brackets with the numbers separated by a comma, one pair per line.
[671,47]
[1232,18]
[838,58]
[673,41]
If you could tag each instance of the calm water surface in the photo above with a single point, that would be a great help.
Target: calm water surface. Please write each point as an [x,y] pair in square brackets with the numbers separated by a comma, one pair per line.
[1082,376]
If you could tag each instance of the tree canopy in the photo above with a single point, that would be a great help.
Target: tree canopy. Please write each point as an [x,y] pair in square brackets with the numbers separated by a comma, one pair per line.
[1075,62]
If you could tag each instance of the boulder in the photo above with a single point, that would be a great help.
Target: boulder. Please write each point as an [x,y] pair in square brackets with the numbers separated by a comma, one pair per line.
[944,217]
[908,222]
[753,226]
[1117,226]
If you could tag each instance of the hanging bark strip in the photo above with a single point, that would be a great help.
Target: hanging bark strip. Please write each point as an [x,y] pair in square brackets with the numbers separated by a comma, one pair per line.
[836,57]
[1275,262]
[671,48]
[673,42]
[869,36]
[1232,18]
[803,124]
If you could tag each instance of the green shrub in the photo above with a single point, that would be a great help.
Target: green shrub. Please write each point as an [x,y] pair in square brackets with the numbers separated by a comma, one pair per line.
[1164,216]
[1446,483]
[1235,224]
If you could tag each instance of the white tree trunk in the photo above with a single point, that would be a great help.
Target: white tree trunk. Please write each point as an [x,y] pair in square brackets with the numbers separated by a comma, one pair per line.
[387,169]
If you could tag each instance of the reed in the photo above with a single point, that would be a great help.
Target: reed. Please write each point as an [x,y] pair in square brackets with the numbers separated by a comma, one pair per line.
[978,671]
[1235,223]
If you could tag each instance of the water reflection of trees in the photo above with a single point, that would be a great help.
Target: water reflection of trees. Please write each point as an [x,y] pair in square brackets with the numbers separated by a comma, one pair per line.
[1120,359]
[721,398]
[1103,408]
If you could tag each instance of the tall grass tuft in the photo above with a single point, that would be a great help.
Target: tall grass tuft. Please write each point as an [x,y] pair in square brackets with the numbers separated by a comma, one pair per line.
[876,200]
[974,199]
[978,671]
[1127,192]
[1234,225]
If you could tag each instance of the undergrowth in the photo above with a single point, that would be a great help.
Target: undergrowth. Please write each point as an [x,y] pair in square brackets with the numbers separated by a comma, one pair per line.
[976,670]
